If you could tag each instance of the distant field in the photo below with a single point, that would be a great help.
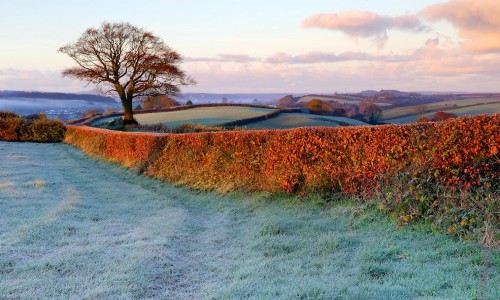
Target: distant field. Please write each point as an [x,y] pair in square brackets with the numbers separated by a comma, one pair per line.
[333,98]
[464,111]
[445,105]
[209,116]
[212,116]
[284,121]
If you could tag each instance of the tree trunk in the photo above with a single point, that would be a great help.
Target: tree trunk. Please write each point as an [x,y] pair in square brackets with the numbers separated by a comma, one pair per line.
[128,117]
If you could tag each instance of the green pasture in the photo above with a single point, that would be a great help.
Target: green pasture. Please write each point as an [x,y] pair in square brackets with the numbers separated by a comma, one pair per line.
[461,111]
[209,116]
[72,227]
[213,116]
[294,120]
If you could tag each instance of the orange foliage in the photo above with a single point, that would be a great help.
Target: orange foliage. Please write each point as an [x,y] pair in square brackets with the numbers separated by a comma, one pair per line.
[442,116]
[317,106]
[34,128]
[460,153]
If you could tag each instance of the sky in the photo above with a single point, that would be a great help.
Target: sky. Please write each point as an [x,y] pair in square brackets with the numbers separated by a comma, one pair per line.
[272,46]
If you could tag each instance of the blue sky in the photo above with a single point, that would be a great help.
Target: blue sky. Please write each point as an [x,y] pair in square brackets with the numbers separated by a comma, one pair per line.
[265,46]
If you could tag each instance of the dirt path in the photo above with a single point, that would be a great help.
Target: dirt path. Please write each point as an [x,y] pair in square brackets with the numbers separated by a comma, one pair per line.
[72,227]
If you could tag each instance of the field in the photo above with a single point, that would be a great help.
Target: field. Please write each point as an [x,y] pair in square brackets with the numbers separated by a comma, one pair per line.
[74,227]
[213,116]
[488,108]
[294,120]
[400,112]
[210,116]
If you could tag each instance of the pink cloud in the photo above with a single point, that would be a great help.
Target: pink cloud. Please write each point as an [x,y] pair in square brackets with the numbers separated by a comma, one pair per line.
[433,66]
[239,58]
[477,21]
[364,24]
[34,80]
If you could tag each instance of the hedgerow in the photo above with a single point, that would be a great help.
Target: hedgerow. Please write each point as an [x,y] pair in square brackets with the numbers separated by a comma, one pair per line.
[447,172]
[33,128]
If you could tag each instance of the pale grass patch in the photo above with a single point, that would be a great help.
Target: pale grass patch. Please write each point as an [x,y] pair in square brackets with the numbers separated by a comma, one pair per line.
[6,184]
[14,156]
[38,183]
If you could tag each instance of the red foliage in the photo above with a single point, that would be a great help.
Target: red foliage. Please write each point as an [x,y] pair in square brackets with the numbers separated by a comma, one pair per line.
[459,153]
[442,116]
[34,128]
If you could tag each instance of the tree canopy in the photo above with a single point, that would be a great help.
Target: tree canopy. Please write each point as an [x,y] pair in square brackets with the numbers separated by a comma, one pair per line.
[122,58]
[158,102]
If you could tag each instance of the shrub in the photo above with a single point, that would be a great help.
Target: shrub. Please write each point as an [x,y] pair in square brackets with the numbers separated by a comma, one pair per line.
[442,116]
[7,115]
[158,102]
[444,171]
[32,128]
[317,106]
[423,120]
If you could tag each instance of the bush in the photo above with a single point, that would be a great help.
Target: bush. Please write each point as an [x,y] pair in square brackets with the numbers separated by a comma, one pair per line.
[442,116]
[423,120]
[32,128]
[444,171]
[162,128]
[317,106]
[159,102]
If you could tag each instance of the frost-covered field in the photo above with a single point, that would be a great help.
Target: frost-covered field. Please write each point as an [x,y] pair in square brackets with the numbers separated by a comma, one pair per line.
[72,227]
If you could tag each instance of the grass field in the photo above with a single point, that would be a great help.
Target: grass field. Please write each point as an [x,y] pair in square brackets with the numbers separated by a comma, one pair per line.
[461,111]
[210,116]
[294,120]
[72,227]
[399,112]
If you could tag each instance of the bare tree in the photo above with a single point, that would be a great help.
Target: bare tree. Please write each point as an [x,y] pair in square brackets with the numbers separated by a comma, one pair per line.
[420,109]
[122,58]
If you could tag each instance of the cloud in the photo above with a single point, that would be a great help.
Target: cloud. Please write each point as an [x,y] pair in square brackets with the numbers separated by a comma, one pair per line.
[436,65]
[364,24]
[316,57]
[312,57]
[34,80]
[477,21]
[238,58]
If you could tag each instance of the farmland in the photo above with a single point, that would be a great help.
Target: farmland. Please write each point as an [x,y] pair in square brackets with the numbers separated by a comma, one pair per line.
[294,120]
[220,115]
[487,108]
[210,116]
[128,236]
[466,106]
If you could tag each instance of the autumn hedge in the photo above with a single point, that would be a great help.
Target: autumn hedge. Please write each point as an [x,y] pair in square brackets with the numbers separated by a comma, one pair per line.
[400,165]
[33,128]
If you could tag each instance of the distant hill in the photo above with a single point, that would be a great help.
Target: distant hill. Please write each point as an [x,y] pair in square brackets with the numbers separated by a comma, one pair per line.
[56,96]
[257,98]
